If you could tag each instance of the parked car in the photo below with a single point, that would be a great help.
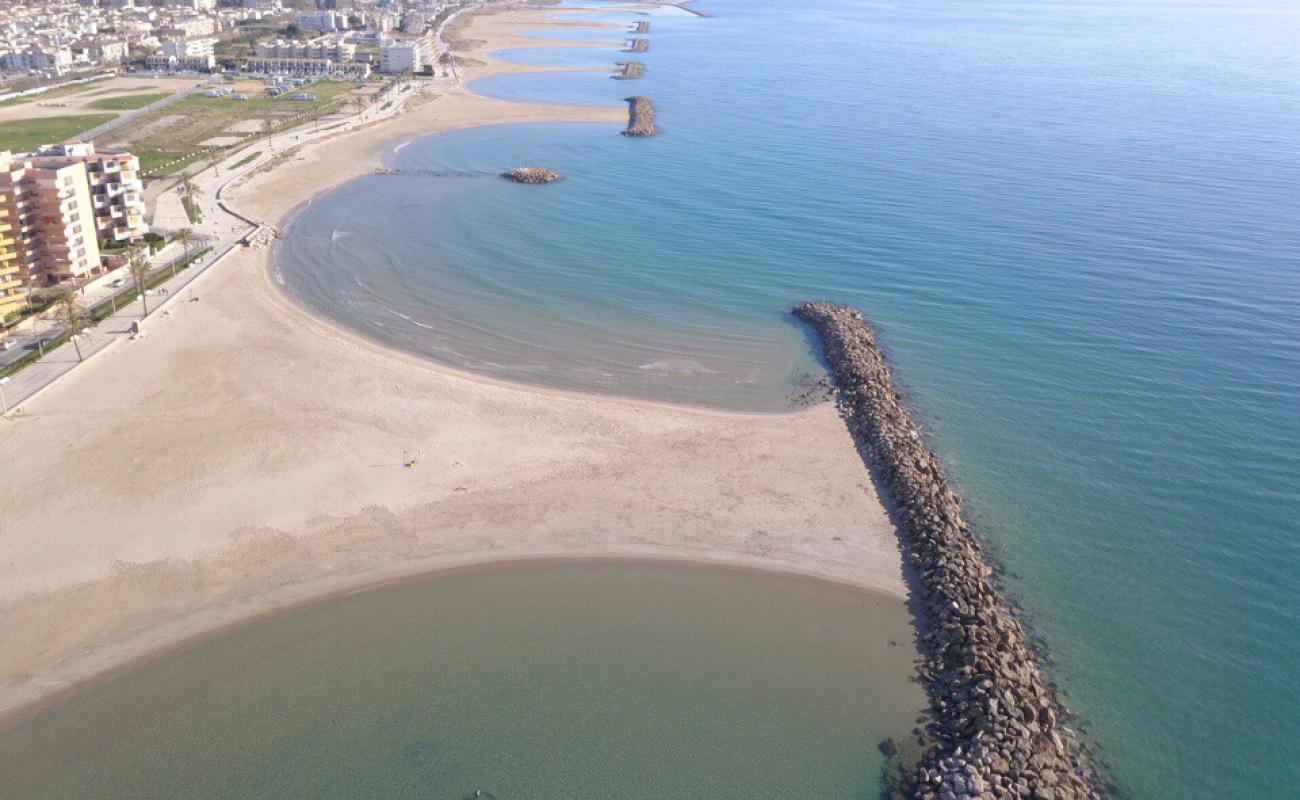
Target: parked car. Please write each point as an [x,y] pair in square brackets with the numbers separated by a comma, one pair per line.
[8,344]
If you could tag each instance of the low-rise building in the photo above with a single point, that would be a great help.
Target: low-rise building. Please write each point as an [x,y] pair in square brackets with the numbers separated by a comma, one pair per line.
[307,67]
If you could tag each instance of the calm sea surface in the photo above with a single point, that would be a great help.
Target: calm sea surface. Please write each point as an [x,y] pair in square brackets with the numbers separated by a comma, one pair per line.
[547,680]
[1076,225]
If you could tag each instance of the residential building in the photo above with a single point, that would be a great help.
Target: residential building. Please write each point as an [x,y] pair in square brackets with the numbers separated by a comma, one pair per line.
[307,67]
[324,47]
[401,56]
[324,21]
[11,275]
[53,218]
[55,60]
[198,55]
[117,192]
[191,27]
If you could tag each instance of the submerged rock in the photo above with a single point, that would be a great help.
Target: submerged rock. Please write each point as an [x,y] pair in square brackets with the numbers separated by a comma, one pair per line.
[531,175]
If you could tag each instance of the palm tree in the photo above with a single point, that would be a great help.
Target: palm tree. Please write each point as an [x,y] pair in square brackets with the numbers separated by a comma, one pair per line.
[268,127]
[139,266]
[184,236]
[71,314]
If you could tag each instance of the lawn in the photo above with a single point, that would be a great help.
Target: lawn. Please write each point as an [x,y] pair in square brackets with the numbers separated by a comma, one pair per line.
[127,102]
[197,118]
[25,135]
[243,162]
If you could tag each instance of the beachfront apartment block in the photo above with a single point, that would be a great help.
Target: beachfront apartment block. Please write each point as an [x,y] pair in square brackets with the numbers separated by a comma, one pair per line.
[116,189]
[407,55]
[11,276]
[52,214]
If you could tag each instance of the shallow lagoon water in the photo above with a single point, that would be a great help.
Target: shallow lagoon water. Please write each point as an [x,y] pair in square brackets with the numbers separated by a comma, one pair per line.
[529,680]
[1075,226]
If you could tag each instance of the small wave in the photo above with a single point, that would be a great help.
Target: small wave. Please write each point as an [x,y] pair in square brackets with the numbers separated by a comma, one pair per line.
[684,367]
[411,320]
[401,147]
[338,234]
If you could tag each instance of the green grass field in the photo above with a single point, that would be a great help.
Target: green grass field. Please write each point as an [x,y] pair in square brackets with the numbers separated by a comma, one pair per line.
[127,102]
[197,118]
[27,134]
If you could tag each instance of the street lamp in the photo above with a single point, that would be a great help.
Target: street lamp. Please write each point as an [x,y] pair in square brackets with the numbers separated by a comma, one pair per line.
[4,406]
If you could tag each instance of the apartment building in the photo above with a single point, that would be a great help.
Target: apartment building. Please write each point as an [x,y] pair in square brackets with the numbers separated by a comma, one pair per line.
[53,219]
[117,192]
[401,56]
[324,21]
[190,27]
[307,67]
[198,55]
[11,277]
[325,47]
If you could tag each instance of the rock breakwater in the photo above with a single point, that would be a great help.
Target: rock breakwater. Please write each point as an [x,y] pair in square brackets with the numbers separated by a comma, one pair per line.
[531,175]
[637,46]
[629,71]
[640,117]
[996,730]
[641,27]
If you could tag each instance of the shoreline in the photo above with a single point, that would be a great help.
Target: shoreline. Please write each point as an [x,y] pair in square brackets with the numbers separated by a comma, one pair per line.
[330,327]
[208,532]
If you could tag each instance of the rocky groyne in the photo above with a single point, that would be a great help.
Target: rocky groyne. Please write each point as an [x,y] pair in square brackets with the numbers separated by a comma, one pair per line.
[995,729]
[641,27]
[629,71]
[640,117]
[637,46]
[531,175]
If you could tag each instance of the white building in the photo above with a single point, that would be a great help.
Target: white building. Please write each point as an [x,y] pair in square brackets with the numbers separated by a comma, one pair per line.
[198,55]
[396,57]
[324,21]
[326,47]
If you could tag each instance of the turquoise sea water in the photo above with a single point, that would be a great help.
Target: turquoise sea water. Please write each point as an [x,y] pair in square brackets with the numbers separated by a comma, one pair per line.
[544,680]
[1075,223]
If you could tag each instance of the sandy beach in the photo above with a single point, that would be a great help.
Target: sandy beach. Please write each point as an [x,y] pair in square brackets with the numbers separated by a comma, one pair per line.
[245,455]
